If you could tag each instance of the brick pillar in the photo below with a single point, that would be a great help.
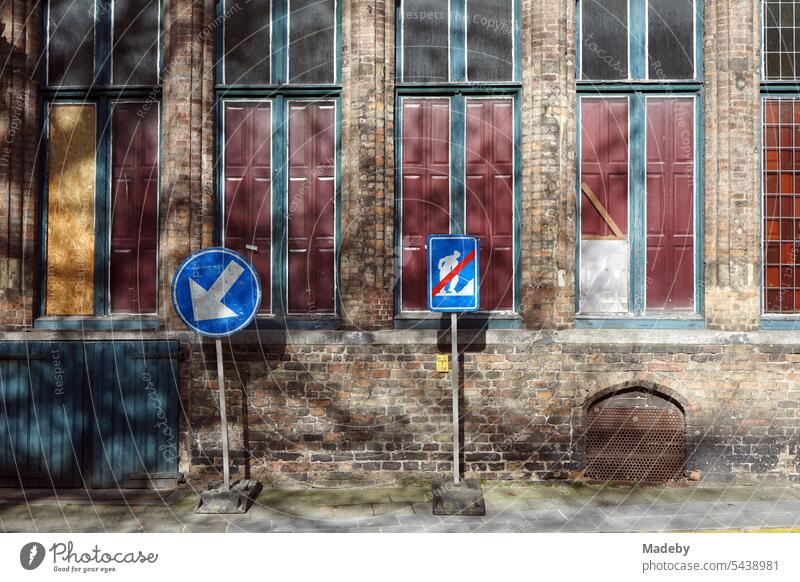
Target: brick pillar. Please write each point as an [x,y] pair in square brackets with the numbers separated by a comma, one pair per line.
[367,213]
[187,204]
[731,179]
[20,23]
[548,163]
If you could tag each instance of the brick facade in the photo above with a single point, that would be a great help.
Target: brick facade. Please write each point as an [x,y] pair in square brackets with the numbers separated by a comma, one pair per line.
[364,404]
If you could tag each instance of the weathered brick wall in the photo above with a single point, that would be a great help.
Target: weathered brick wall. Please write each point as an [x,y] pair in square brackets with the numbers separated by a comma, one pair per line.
[19,118]
[345,408]
[366,226]
[548,163]
[731,163]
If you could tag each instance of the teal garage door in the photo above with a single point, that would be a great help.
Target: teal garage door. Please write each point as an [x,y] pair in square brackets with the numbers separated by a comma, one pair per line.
[88,414]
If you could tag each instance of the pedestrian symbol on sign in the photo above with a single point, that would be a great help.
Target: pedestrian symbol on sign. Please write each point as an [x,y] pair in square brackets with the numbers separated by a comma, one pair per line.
[453,273]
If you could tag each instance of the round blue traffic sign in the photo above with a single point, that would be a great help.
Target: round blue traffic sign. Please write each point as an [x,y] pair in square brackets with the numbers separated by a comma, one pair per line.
[216,292]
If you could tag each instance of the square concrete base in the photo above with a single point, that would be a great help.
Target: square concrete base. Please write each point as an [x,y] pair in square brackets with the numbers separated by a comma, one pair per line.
[466,498]
[237,500]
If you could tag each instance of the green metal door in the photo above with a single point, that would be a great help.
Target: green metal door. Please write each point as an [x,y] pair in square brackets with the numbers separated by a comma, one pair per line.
[88,414]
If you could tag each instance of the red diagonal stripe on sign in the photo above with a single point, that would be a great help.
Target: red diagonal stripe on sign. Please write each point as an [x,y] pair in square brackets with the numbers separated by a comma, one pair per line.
[451,275]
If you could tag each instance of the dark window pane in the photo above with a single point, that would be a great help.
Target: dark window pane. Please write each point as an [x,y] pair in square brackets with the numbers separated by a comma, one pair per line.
[425,41]
[604,39]
[312,34]
[71,42]
[490,27]
[247,43]
[670,27]
[780,39]
[135,38]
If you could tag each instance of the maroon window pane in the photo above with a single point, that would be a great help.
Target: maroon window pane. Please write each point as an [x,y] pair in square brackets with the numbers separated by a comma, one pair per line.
[490,196]
[604,248]
[311,207]
[425,190]
[670,204]
[134,208]
[248,188]
[781,208]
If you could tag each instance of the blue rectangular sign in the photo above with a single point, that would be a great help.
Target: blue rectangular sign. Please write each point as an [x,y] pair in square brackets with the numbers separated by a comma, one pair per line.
[453,273]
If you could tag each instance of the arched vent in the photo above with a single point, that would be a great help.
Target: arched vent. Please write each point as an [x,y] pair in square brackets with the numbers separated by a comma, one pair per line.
[635,436]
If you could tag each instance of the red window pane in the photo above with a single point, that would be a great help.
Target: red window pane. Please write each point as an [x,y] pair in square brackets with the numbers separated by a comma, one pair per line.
[311,200]
[425,189]
[781,205]
[248,188]
[134,208]
[604,249]
[670,204]
[490,196]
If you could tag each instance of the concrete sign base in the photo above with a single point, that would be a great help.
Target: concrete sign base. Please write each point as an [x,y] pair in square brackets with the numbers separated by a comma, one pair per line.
[466,498]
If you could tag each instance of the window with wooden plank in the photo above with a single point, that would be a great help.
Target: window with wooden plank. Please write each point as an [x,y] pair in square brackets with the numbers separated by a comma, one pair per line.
[425,190]
[490,196]
[311,207]
[135,41]
[604,249]
[604,39]
[248,188]
[71,180]
[490,40]
[247,37]
[781,205]
[134,209]
[312,39]
[426,46]
[670,203]
[70,42]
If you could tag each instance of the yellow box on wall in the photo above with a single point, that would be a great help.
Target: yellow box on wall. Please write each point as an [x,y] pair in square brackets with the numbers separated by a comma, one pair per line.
[442,363]
[70,209]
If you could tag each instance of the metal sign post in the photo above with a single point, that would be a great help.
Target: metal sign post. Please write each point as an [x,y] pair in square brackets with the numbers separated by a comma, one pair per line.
[454,377]
[217,293]
[454,287]
[223,413]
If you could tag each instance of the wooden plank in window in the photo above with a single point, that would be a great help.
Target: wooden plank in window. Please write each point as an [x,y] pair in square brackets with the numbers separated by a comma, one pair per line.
[70,210]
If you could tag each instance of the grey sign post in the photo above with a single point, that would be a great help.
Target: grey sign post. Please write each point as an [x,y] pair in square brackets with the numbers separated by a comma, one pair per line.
[454,287]
[216,292]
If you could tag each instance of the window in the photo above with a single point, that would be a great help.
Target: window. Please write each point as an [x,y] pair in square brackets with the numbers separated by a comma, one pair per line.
[781,205]
[780,160]
[781,39]
[102,158]
[638,186]
[622,39]
[439,45]
[279,150]
[458,150]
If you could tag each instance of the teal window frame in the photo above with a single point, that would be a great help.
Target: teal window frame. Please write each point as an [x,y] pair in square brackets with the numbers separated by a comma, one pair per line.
[103,95]
[457,91]
[279,93]
[637,89]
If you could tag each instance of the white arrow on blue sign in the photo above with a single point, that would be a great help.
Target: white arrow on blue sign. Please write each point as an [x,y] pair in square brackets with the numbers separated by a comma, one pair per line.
[216,292]
[453,273]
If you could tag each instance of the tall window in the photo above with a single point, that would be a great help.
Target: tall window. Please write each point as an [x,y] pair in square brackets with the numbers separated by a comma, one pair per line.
[279,95]
[638,89]
[459,145]
[102,88]
[780,160]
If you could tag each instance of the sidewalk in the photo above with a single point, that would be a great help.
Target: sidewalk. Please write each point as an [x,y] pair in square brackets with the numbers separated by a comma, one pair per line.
[509,508]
